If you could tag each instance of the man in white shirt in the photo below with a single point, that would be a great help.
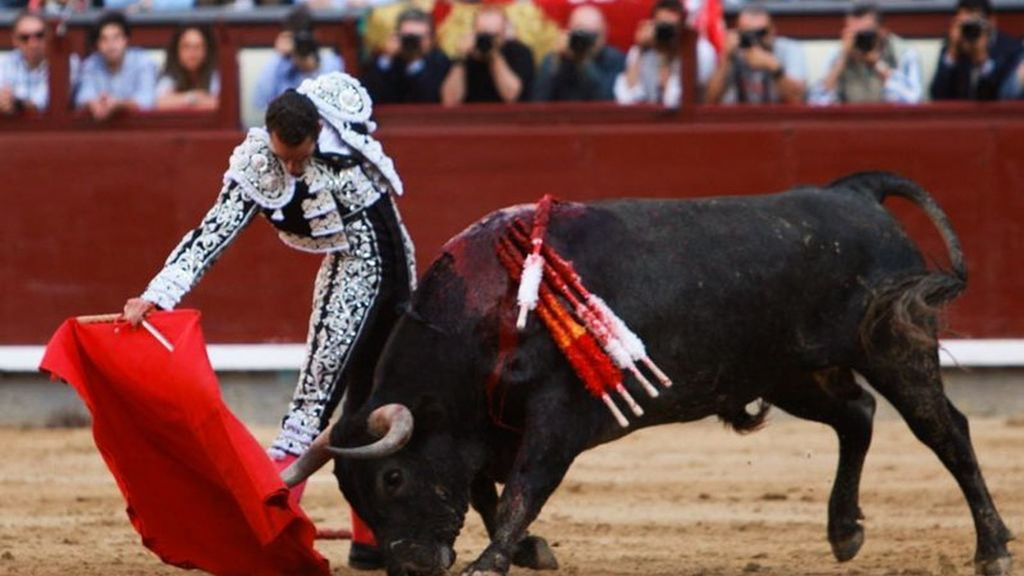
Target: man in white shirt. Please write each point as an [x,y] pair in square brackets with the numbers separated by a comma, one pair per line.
[871,64]
[24,80]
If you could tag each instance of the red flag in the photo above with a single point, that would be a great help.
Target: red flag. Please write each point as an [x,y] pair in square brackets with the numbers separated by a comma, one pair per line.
[200,490]
[710,24]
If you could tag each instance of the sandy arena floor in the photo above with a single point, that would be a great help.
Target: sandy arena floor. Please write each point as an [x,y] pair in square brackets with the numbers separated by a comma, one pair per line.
[687,500]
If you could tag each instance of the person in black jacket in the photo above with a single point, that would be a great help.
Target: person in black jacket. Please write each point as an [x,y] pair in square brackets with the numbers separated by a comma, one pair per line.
[410,68]
[976,59]
[489,66]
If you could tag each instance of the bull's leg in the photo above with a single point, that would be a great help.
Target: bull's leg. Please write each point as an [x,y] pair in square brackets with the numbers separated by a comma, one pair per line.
[545,454]
[914,386]
[833,397]
[532,551]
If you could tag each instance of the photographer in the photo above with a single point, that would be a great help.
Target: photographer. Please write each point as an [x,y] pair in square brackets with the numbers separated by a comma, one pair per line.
[585,67]
[489,67]
[1013,88]
[976,59]
[410,68]
[871,64]
[296,57]
[652,64]
[758,66]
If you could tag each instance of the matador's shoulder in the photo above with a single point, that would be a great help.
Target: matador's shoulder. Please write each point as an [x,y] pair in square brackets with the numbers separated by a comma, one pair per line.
[260,176]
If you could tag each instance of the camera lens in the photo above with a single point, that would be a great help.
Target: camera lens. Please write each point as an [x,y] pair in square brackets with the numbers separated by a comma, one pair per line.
[865,40]
[410,43]
[484,43]
[581,41]
[751,38]
[664,33]
[971,30]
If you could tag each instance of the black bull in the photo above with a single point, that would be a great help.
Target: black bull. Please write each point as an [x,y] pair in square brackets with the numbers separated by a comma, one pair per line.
[780,298]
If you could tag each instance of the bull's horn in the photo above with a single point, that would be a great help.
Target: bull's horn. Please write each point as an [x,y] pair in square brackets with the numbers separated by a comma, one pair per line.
[312,460]
[392,423]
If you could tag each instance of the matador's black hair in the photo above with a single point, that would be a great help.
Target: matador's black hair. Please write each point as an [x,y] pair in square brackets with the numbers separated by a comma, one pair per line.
[293,118]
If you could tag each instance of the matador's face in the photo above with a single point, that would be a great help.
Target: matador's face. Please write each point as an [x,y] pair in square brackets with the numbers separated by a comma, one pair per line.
[294,158]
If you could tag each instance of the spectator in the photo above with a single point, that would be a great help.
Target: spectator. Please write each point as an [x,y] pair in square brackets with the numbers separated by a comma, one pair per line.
[296,58]
[489,67]
[410,68]
[585,67]
[652,64]
[60,8]
[1013,88]
[190,78]
[115,78]
[24,81]
[976,58]
[344,4]
[378,24]
[758,67]
[871,65]
[132,6]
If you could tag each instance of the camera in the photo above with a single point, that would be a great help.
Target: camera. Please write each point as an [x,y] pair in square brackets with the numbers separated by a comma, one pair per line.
[751,38]
[410,43]
[971,30]
[866,40]
[581,42]
[484,43]
[664,33]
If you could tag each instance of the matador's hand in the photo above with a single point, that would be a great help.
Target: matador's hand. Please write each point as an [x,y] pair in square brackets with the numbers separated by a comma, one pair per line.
[135,309]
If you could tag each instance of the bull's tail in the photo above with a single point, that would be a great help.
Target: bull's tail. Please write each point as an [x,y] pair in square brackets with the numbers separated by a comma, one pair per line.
[910,305]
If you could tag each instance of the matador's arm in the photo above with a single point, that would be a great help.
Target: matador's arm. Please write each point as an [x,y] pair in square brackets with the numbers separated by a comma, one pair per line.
[201,247]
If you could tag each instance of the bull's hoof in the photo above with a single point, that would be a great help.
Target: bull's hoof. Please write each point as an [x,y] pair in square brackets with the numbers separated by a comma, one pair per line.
[490,563]
[1002,566]
[534,552]
[846,547]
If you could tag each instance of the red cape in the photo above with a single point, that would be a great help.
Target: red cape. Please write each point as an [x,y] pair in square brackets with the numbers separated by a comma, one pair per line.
[200,489]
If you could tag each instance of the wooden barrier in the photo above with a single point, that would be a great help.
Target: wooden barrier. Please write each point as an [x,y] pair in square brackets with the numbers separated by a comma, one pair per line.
[89,217]
[90,212]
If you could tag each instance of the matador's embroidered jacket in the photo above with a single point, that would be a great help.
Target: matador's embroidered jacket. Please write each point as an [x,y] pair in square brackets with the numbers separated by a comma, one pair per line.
[315,213]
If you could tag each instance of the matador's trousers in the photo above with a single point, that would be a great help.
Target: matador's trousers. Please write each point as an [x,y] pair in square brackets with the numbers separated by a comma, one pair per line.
[357,298]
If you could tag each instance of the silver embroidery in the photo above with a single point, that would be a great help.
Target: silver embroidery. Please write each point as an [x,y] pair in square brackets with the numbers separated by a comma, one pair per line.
[333,243]
[258,171]
[200,247]
[346,288]
[342,101]
[358,191]
[338,96]
[318,205]
[326,225]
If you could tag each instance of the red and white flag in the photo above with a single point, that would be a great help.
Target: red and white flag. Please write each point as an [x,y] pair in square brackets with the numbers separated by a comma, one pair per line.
[710,24]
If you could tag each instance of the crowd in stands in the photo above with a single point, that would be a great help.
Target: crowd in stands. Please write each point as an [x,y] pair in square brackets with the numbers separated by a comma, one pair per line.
[488,52]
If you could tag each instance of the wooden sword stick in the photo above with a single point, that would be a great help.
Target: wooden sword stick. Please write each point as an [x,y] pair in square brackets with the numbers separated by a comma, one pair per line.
[107,318]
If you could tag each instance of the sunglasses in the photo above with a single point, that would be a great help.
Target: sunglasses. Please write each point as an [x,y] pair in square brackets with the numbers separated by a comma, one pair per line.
[32,35]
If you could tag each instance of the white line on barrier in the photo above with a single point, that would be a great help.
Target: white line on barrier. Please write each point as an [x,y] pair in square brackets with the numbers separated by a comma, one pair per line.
[276,357]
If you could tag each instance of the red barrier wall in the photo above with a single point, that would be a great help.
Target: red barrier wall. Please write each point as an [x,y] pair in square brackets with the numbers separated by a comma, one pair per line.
[89,217]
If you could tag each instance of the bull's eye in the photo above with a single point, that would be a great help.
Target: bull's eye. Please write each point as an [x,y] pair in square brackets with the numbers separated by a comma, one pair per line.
[393,480]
